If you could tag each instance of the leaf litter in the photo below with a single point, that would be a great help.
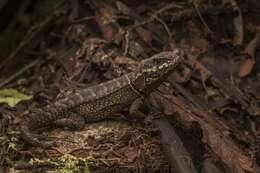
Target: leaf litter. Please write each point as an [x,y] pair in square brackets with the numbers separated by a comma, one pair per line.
[213,97]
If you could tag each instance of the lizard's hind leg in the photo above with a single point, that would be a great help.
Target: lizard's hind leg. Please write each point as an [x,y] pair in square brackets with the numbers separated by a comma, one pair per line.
[73,122]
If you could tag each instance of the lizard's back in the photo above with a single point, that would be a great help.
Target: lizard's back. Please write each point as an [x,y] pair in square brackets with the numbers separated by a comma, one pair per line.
[93,103]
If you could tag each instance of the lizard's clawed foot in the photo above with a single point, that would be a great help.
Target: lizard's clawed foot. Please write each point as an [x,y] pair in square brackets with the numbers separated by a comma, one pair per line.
[49,144]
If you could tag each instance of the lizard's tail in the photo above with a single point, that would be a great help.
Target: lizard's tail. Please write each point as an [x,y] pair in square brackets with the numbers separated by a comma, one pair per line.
[26,135]
[30,138]
[31,123]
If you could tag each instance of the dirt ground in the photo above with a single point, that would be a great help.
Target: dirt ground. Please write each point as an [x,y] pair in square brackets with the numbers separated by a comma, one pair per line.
[212,102]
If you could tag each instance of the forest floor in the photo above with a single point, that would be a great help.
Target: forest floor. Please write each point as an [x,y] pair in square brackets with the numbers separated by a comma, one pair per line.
[212,102]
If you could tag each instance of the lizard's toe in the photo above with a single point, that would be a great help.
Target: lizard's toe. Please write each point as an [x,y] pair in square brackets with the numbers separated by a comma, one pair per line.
[48,144]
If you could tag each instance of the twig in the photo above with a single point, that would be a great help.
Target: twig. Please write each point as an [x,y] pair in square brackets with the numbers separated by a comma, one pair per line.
[164,25]
[82,20]
[18,73]
[156,33]
[126,43]
[189,13]
[200,16]
[167,7]
[188,96]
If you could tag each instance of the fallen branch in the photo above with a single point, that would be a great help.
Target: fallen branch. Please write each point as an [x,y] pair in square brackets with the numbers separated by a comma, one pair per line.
[215,132]
[179,158]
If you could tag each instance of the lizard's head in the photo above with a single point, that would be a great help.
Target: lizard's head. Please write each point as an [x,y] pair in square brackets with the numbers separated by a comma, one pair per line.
[155,69]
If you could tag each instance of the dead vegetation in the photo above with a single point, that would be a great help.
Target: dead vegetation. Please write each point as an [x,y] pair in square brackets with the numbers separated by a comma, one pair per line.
[212,101]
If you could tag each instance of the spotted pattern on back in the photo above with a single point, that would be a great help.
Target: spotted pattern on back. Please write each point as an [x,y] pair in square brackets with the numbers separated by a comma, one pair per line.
[102,108]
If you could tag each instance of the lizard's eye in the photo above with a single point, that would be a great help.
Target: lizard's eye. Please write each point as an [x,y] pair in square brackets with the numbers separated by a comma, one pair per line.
[158,62]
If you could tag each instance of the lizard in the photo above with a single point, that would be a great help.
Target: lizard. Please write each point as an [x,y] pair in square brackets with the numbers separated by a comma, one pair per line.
[100,101]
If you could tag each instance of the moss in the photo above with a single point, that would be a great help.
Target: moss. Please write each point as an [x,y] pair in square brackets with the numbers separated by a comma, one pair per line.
[66,164]
[74,164]
[10,140]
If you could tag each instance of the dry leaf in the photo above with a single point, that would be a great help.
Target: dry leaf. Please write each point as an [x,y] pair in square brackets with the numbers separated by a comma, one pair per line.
[238,24]
[122,7]
[246,67]
[144,34]
[130,154]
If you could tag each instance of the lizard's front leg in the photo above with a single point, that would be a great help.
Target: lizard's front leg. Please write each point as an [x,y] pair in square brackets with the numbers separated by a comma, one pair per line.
[134,108]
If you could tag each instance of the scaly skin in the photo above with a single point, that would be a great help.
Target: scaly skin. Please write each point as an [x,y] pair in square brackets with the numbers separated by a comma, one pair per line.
[99,102]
